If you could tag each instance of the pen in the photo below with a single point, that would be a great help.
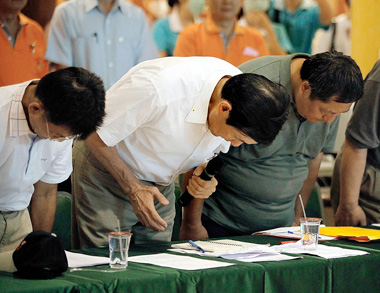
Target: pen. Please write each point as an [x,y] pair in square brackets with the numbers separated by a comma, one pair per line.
[196,246]
[298,233]
[95,35]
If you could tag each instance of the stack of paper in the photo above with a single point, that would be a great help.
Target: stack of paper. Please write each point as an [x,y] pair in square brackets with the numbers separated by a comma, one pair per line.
[290,232]
[233,250]
[178,261]
[322,250]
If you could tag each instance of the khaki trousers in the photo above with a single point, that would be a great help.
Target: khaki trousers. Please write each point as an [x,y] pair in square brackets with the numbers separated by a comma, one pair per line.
[99,201]
[14,227]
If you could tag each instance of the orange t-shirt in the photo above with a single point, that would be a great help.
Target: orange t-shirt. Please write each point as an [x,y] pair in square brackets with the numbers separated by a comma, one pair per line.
[203,39]
[26,60]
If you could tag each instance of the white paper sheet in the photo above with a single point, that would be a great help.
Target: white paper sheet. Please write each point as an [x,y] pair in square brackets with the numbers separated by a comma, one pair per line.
[259,253]
[324,251]
[290,232]
[78,260]
[178,261]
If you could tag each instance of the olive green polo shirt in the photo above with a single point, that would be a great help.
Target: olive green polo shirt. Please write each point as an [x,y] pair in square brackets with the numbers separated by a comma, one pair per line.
[258,184]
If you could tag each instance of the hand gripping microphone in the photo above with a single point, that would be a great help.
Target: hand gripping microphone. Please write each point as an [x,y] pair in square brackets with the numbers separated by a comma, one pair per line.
[212,168]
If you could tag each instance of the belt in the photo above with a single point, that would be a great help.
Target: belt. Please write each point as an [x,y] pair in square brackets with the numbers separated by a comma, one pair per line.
[8,212]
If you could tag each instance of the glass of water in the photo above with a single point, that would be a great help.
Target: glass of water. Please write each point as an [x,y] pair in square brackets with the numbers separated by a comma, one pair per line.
[310,232]
[119,245]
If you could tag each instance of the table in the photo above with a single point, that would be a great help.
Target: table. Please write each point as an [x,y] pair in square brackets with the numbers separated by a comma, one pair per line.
[309,274]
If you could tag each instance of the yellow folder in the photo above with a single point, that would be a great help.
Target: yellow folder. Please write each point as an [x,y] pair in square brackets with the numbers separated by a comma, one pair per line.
[351,233]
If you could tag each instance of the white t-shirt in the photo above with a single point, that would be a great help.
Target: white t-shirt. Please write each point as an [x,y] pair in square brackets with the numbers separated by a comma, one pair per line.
[26,158]
[156,115]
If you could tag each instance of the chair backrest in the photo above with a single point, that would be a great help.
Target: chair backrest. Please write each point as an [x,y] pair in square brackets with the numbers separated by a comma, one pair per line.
[62,222]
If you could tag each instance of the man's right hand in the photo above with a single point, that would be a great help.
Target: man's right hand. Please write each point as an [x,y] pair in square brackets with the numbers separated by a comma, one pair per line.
[352,215]
[142,199]
[191,232]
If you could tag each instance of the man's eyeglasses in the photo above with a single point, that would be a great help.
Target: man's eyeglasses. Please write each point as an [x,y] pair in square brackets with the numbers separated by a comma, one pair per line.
[62,138]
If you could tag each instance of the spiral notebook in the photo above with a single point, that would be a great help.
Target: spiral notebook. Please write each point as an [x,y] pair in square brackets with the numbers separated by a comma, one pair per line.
[216,245]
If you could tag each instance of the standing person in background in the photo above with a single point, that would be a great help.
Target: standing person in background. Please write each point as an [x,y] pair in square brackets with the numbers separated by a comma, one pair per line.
[166,30]
[22,45]
[107,37]
[337,37]
[301,18]
[355,192]
[220,36]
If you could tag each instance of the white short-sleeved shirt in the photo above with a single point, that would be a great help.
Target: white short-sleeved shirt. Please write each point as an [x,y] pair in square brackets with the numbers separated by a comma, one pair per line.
[109,45]
[26,158]
[156,115]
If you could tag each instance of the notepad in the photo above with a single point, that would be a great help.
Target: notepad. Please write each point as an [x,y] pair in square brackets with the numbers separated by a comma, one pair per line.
[216,245]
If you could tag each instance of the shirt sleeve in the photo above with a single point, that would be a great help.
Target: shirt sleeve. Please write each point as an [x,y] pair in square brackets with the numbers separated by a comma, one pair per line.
[363,128]
[59,49]
[129,105]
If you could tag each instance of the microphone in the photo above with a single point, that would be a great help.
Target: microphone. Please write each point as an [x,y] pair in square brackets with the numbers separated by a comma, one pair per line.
[213,167]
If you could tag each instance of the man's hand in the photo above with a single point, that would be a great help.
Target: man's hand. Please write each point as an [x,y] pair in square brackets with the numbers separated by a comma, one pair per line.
[296,222]
[142,199]
[352,215]
[191,232]
[199,188]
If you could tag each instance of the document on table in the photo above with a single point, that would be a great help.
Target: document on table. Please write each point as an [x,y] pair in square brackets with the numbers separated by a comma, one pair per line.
[322,250]
[240,251]
[79,260]
[178,261]
[290,232]
[352,233]
[216,245]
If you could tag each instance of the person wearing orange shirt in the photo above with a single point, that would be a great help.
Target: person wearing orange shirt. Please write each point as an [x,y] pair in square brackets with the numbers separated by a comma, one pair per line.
[220,36]
[22,45]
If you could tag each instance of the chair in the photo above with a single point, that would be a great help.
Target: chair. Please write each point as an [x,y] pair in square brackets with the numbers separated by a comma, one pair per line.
[62,222]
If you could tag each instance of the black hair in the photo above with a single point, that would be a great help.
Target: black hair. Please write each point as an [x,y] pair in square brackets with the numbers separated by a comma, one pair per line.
[73,97]
[259,106]
[332,73]
[173,2]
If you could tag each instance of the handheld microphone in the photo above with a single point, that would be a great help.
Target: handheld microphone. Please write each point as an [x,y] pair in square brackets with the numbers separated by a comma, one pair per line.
[212,168]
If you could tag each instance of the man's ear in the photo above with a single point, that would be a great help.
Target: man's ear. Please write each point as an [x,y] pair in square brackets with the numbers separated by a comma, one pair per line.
[224,108]
[36,108]
[305,86]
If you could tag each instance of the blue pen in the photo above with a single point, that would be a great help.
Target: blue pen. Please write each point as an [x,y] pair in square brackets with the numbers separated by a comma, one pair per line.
[196,246]
[297,233]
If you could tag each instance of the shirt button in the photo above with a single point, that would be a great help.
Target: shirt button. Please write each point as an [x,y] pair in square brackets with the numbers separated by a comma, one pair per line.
[121,39]
[109,42]
[110,64]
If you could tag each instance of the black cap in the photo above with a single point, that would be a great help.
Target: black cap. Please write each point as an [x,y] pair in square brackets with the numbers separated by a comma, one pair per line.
[40,256]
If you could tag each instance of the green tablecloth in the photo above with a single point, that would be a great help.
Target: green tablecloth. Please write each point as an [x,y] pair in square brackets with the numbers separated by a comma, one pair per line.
[309,274]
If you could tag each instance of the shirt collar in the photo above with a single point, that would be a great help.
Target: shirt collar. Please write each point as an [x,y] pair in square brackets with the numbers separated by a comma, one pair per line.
[279,5]
[91,4]
[18,125]
[285,79]
[211,26]
[199,112]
